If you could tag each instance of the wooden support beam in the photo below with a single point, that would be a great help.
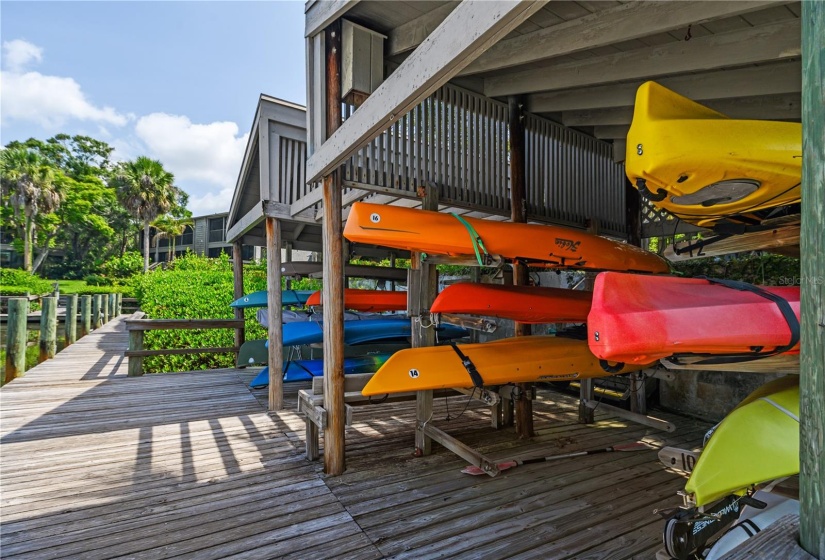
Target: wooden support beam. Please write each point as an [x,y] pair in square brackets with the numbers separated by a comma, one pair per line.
[773,42]
[275,352]
[16,338]
[97,313]
[632,416]
[769,79]
[467,32]
[135,365]
[518,213]
[408,36]
[237,288]
[621,23]
[246,223]
[768,107]
[422,287]
[48,328]
[321,13]
[812,313]
[333,272]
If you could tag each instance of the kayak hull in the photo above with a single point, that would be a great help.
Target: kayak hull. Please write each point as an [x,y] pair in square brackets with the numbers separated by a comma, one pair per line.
[540,245]
[304,370]
[526,304]
[367,300]
[636,318]
[757,442]
[259,299]
[512,360]
[680,148]
[360,332]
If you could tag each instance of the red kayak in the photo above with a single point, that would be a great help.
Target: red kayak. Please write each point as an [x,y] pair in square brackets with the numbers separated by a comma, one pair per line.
[638,319]
[526,304]
[368,300]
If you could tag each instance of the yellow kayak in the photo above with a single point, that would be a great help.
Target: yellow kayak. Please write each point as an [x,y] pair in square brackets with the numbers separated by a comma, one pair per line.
[703,166]
[512,360]
[757,442]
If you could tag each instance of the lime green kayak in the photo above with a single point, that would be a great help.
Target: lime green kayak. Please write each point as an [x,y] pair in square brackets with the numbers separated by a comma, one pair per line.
[757,442]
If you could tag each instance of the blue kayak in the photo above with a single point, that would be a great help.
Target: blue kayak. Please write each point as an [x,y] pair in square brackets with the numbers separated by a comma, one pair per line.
[367,330]
[259,299]
[303,370]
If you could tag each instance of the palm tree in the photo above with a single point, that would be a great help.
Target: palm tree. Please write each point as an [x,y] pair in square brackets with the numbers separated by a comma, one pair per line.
[147,191]
[170,228]
[30,181]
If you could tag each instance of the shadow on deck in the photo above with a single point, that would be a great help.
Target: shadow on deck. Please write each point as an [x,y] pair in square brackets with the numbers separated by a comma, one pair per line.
[97,465]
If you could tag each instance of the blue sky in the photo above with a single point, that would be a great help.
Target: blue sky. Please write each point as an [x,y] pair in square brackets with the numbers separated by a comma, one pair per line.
[177,81]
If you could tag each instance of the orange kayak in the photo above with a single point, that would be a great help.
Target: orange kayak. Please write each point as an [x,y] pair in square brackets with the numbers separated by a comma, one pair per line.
[537,245]
[367,300]
[641,318]
[512,360]
[526,304]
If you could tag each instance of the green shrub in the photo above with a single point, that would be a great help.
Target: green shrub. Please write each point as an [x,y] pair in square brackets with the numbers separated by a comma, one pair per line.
[17,282]
[97,280]
[196,287]
[765,269]
[128,265]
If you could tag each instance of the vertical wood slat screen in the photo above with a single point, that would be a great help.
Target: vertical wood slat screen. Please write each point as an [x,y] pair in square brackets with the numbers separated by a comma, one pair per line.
[571,177]
[459,141]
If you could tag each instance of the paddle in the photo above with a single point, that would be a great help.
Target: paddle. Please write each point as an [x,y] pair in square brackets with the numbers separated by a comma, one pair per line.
[636,446]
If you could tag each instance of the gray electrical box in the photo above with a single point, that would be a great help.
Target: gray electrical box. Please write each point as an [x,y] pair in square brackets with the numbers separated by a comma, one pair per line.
[362,62]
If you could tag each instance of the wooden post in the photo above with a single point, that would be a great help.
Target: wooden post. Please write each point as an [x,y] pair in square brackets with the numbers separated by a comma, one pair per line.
[333,272]
[105,306]
[71,319]
[85,315]
[275,333]
[518,213]
[812,315]
[586,391]
[16,338]
[48,328]
[237,277]
[97,314]
[118,303]
[112,306]
[135,367]
[423,286]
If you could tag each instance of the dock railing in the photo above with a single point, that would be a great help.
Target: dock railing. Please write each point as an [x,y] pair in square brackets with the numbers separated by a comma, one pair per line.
[137,326]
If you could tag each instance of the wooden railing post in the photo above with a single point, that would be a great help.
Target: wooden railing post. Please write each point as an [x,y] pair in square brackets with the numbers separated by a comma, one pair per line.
[112,306]
[97,315]
[85,315]
[71,319]
[118,303]
[16,338]
[135,368]
[48,328]
[104,308]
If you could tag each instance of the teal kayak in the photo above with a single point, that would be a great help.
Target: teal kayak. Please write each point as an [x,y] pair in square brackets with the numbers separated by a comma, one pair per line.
[259,299]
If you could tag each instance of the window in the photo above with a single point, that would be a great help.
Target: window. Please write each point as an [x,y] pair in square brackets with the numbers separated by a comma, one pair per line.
[217,227]
[215,252]
[187,238]
[247,252]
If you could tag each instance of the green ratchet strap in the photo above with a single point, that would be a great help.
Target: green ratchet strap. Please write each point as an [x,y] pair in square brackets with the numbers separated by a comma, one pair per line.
[475,239]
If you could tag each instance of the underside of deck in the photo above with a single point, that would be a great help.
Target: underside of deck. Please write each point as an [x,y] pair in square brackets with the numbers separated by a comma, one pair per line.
[98,465]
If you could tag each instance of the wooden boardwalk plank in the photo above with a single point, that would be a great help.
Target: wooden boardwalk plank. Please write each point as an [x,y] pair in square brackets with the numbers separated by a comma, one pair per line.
[94,464]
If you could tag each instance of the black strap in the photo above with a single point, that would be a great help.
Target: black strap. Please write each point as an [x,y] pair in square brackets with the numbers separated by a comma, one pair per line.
[469,366]
[611,369]
[784,308]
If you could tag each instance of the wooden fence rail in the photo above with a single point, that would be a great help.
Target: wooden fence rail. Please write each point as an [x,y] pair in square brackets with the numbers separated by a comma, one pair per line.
[137,326]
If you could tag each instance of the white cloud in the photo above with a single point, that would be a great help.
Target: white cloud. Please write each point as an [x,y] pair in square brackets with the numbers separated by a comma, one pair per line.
[18,53]
[50,101]
[202,156]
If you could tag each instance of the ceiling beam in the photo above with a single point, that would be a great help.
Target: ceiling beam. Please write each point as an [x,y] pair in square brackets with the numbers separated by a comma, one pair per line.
[772,42]
[767,107]
[611,132]
[408,36]
[624,22]
[466,33]
[770,79]
[321,13]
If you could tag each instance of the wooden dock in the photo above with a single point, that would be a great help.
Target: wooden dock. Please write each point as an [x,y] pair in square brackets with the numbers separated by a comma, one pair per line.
[98,465]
